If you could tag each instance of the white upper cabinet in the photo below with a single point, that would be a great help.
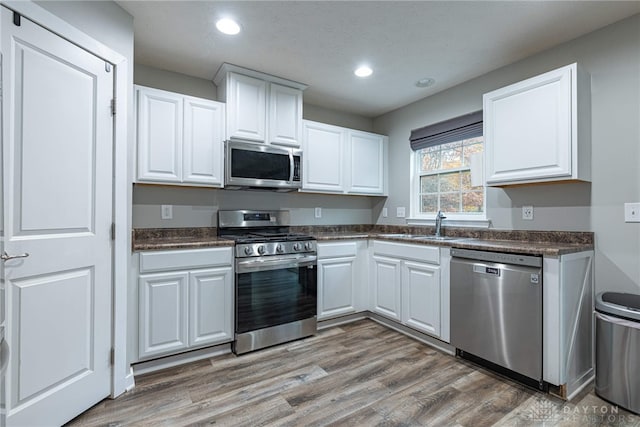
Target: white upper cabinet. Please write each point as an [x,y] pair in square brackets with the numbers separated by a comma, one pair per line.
[261,107]
[341,160]
[203,157]
[180,138]
[538,130]
[367,153]
[159,135]
[285,115]
[246,107]
[323,157]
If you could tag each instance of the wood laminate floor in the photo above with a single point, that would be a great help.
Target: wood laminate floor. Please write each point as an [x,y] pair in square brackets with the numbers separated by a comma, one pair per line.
[359,374]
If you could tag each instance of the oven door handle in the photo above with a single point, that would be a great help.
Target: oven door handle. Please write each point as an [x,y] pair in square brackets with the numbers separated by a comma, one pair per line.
[248,266]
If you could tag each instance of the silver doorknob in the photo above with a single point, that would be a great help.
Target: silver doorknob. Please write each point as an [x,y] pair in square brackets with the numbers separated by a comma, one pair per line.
[6,257]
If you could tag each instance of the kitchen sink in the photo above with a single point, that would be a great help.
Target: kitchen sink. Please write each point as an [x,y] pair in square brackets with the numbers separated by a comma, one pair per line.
[436,238]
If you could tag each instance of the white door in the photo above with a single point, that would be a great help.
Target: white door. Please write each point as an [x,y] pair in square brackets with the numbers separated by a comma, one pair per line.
[57,142]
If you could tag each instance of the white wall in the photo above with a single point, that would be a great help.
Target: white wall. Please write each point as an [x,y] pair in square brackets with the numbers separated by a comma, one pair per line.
[197,207]
[175,82]
[612,57]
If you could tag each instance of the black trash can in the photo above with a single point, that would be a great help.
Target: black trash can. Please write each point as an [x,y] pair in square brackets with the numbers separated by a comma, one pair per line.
[618,349]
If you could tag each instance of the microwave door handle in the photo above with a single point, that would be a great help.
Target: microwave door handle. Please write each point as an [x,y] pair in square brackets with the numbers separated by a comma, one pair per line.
[291,167]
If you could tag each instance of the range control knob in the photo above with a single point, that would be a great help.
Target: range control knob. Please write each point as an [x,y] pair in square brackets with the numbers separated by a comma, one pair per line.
[279,249]
[297,246]
[248,250]
[308,246]
[261,249]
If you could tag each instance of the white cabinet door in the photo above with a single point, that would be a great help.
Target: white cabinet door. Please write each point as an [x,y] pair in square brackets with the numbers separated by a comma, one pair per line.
[203,141]
[285,115]
[386,281]
[247,108]
[159,135]
[531,130]
[366,163]
[336,287]
[210,306]
[421,297]
[163,307]
[323,148]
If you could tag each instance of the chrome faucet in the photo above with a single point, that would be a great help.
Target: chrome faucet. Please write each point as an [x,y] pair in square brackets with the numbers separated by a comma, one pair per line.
[439,217]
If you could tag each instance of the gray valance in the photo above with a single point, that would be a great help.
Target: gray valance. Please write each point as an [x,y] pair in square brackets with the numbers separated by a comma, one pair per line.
[456,129]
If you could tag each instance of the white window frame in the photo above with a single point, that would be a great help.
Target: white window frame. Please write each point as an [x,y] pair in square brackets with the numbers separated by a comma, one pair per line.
[453,219]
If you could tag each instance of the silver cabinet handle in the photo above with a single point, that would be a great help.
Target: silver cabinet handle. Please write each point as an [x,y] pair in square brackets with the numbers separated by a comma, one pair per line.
[6,257]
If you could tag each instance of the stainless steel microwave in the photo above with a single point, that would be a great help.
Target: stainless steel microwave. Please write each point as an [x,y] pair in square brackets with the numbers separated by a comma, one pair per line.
[260,166]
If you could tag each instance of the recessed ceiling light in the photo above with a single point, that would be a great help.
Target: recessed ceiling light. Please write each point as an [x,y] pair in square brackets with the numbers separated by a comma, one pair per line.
[363,71]
[426,82]
[228,26]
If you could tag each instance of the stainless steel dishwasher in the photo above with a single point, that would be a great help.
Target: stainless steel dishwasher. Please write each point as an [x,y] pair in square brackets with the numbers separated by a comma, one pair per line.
[496,312]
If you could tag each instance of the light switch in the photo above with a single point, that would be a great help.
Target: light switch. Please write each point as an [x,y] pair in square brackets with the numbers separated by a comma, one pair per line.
[385,212]
[166,211]
[318,213]
[632,212]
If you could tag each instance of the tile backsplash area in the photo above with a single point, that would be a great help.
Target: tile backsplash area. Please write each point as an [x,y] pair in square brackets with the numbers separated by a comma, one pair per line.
[198,207]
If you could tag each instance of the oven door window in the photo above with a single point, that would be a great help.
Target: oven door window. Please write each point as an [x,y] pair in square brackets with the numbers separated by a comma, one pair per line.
[275,297]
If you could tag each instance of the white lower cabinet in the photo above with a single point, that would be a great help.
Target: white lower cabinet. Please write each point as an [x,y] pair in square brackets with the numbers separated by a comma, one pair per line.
[407,286]
[421,296]
[342,278]
[387,282]
[163,313]
[189,306]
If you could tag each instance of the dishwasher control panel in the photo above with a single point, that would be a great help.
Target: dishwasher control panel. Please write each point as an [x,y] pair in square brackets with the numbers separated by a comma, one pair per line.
[498,257]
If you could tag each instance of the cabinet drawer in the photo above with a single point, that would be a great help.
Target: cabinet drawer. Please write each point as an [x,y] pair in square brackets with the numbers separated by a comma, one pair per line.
[430,254]
[185,259]
[337,250]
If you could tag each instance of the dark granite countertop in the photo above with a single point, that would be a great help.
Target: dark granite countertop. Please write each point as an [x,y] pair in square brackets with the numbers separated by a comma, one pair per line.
[549,243]
[155,239]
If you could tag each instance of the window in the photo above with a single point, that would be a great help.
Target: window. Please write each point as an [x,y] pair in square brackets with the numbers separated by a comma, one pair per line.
[445,154]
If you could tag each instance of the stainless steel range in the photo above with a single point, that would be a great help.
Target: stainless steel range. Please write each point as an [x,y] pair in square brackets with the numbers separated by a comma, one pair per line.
[275,279]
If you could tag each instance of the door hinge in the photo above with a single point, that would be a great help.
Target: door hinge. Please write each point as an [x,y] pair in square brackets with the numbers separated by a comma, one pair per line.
[113,231]
[113,107]
[112,356]
[16,19]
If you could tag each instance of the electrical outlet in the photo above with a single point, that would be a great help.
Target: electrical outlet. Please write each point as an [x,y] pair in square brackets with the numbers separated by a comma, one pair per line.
[632,212]
[400,212]
[166,211]
[385,212]
[318,213]
[527,213]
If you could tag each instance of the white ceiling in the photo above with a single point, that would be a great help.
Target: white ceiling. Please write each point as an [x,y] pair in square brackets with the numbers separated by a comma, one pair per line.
[320,43]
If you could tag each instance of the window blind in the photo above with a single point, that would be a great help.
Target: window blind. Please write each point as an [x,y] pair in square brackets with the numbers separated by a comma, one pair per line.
[455,129]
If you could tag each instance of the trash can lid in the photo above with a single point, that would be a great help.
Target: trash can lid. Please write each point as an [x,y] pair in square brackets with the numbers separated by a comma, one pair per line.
[619,304]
